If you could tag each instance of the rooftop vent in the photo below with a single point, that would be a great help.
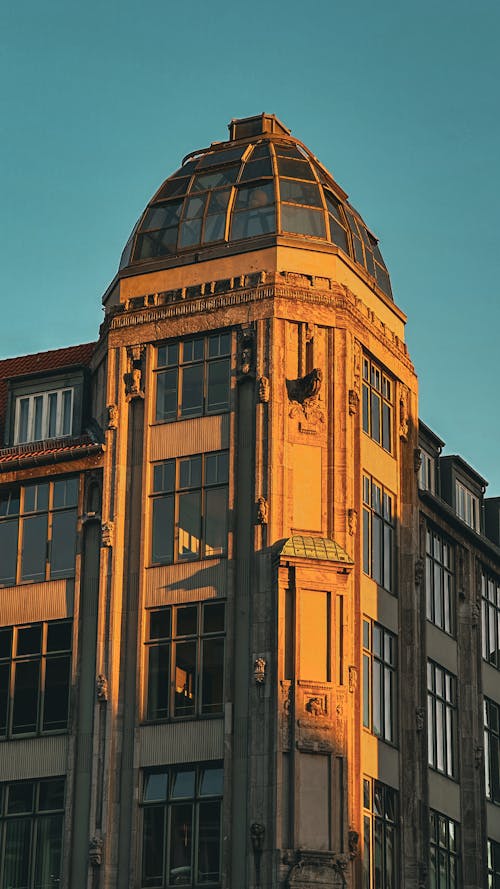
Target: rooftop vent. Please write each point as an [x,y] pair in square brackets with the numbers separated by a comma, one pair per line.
[246,127]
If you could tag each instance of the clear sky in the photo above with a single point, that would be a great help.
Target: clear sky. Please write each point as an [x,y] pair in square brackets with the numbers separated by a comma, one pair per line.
[101,100]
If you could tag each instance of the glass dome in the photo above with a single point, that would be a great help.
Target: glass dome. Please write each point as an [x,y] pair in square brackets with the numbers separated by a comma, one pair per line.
[260,184]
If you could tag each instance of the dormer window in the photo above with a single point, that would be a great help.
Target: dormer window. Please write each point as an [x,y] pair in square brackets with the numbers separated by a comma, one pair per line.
[426,475]
[467,506]
[43,415]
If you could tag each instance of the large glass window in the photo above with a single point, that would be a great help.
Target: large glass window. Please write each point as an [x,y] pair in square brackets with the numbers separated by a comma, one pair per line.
[181,826]
[439,582]
[467,505]
[377,404]
[193,377]
[185,658]
[442,719]
[38,531]
[378,533]
[35,675]
[443,852]
[43,415]
[492,750]
[380,836]
[493,865]
[31,833]
[490,594]
[379,680]
[190,507]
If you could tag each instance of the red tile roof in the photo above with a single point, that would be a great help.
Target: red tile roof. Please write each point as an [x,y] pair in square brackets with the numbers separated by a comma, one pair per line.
[41,362]
[50,451]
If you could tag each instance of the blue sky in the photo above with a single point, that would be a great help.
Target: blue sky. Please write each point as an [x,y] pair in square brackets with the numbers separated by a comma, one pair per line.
[100,101]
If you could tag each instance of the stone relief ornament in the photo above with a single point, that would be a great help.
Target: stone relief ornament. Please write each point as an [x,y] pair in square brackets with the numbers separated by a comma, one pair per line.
[403,413]
[353,679]
[259,670]
[107,533]
[353,842]
[353,402]
[419,571]
[479,756]
[133,377]
[101,685]
[420,719]
[352,521]
[112,416]
[95,851]
[303,394]
[262,511]
[320,869]
[417,460]
[264,389]
[257,833]
[246,353]
[316,707]
[356,377]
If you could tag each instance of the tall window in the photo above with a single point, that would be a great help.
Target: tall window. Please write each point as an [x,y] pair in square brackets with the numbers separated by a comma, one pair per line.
[379,680]
[427,472]
[380,836]
[378,533]
[444,852]
[38,531]
[31,833]
[190,507]
[43,415]
[192,377]
[493,865]
[35,670]
[185,656]
[440,593]
[181,826]
[467,505]
[490,591]
[442,719]
[377,404]
[492,750]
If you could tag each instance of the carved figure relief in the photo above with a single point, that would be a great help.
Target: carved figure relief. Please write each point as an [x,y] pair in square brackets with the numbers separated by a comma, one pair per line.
[304,396]
[107,533]
[133,377]
[262,511]
[417,460]
[101,685]
[112,416]
[420,719]
[353,679]
[356,377]
[286,703]
[259,670]
[246,353]
[316,706]
[352,521]
[264,389]
[95,851]
[403,413]
[419,571]
[353,842]
[257,833]
[353,402]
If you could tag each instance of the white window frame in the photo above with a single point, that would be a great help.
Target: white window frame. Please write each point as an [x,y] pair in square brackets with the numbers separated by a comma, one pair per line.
[45,396]
[467,505]
[426,475]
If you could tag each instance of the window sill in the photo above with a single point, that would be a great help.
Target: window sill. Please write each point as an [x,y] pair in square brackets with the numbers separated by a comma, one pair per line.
[200,416]
[172,720]
[29,736]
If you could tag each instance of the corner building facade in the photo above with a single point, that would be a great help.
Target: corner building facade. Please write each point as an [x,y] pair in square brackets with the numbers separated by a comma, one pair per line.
[245,683]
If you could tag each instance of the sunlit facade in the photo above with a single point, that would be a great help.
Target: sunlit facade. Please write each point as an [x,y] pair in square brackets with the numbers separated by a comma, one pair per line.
[249,615]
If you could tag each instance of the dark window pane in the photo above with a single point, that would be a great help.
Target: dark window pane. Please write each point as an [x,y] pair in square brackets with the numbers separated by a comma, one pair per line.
[218,201]
[294,168]
[29,640]
[189,525]
[183,784]
[20,797]
[255,197]
[162,216]
[51,795]
[185,678]
[164,477]
[8,550]
[218,385]
[158,681]
[168,355]
[215,227]
[303,221]
[213,617]
[386,427]
[220,344]
[173,187]
[216,468]
[166,395]
[65,492]
[159,623]
[257,169]
[181,833]
[212,781]
[34,548]
[56,696]
[153,846]
[193,350]
[25,710]
[221,157]
[192,390]
[366,409]
[375,405]
[215,521]
[63,544]
[156,786]
[9,503]
[48,851]
[209,842]
[195,206]
[187,620]
[59,635]
[190,233]
[36,497]
[300,192]
[212,676]
[190,472]
[366,542]
[4,696]
[17,853]
[252,223]
[338,235]
[207,181]
[163,529]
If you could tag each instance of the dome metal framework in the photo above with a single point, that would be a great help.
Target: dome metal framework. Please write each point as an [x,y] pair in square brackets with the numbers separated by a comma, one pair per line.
[261,183]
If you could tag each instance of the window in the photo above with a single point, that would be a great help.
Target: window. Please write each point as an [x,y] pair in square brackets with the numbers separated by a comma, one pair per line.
[31,825]
[493,865]
[43,415]
[377,404]
[192,377]
[35,669]
[379,680]
[380,836]
[443,852]
[185,657]
[442,719]
[181,826]
[378,533]
[490,590]
[38,531]
[492,750]
[439,582]
[190,507]
[427,472]
[467,505]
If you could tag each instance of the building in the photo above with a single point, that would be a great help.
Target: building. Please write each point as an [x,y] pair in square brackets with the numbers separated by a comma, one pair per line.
[241,588]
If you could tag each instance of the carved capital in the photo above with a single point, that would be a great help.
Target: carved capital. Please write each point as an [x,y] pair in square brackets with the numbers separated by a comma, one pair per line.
[353,842]
[259,670]
[264,389]
[95,851]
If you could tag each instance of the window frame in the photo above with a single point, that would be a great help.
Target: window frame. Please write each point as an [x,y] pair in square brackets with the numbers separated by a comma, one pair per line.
[441,827]
[442,718]
[60,417]
[467,506]
[379,516]
[377,387]
[440,584]
[490,618]
[427,471]
[493,864]
[171,641]
[35,816]
[491,712]
[378,827]
[180,366]
[378,708]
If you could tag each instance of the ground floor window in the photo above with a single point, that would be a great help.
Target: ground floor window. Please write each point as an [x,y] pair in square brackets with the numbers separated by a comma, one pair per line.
[181,826]
[444,852]
[380,836]
[31,830]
